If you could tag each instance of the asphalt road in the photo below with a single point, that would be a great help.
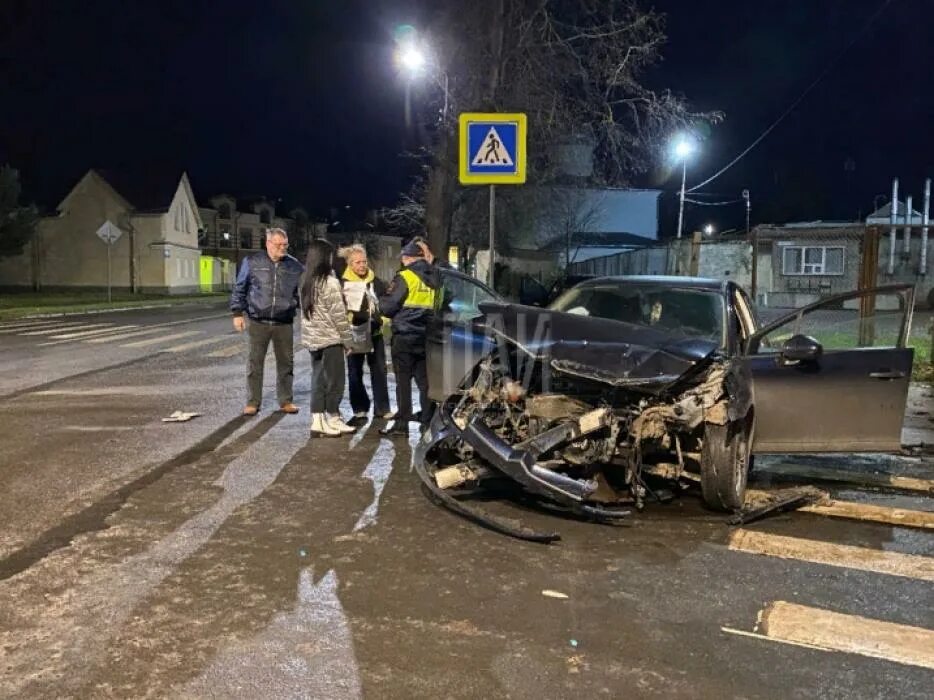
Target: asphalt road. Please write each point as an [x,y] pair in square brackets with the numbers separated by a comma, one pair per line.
[237,558]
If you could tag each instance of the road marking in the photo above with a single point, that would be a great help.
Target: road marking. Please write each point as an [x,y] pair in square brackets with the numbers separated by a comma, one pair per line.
[99,331]
[841,555]
[814,628]
[123,336]
[193,344]
[61,328]
[157,326]
[876,514]
[377,471]
[802,471]
[27,325]
[228,351]
[162,339]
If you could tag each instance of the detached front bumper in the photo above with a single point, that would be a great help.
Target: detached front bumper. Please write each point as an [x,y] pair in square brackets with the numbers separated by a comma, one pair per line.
[517,464]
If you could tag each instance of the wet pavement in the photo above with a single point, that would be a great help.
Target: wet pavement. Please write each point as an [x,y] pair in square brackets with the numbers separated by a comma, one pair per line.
[237,558]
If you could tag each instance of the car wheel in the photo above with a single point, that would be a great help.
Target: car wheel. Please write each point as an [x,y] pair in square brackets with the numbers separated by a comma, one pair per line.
[725,465]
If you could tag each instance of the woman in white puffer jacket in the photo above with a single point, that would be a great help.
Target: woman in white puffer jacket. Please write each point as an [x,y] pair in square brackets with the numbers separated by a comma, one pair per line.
[326,334]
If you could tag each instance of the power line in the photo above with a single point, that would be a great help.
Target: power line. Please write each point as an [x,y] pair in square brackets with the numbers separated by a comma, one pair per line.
[794,104]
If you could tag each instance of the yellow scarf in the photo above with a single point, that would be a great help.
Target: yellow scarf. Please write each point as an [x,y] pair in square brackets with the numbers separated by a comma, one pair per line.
[351,276]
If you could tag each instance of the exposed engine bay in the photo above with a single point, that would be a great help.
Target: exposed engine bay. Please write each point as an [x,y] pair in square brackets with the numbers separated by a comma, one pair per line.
[595,429]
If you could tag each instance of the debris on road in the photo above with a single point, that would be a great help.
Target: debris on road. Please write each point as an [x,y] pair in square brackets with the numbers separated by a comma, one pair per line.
[760,504]
[548,593]
[180,417]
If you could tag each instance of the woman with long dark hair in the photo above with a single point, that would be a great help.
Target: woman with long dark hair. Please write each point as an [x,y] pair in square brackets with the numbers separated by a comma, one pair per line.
[326,334]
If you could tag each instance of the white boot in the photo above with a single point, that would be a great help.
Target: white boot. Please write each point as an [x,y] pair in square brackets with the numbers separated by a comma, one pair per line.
[335,422]
[321,428]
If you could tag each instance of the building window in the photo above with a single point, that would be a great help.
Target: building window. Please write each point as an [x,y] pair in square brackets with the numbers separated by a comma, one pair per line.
[812,260]
[223,236]
[265,216]
[246,238]
[223,211]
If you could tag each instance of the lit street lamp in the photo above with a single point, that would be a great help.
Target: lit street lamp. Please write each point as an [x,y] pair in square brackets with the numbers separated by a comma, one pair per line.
[683,147]
[708,229]
[413,60]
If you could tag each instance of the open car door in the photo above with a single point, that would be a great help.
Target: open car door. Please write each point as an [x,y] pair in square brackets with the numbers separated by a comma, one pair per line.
[453,347]
[833,376]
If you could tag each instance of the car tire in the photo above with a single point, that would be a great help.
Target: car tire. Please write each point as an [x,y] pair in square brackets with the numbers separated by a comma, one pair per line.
[725,462]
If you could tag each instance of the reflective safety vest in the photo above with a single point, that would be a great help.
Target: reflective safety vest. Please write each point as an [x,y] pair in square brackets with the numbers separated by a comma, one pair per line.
[420,295]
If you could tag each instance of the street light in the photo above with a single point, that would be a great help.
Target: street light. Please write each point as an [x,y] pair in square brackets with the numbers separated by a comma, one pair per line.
[413,60]
[708,229]
[682,148]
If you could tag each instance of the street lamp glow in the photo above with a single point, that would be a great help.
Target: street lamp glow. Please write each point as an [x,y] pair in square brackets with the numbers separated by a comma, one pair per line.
[708,229]
[411,58]
[683,147]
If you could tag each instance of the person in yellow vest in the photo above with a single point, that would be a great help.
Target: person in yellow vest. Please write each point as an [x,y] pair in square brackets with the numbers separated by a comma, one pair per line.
[362,289]
[410,302]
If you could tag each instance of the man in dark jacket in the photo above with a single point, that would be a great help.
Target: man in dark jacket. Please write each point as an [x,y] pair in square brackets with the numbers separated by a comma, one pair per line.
[410,302]
[267,292]
[362,290]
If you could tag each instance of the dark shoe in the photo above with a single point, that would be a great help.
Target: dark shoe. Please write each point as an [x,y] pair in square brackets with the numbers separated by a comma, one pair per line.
[357,421]
[396,428]
[250,410]
[288,407]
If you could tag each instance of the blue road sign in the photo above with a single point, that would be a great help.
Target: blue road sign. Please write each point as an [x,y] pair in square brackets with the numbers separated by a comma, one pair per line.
[492,149]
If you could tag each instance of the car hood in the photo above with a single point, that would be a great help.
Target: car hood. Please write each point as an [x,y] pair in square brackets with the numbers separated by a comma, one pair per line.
[613,352]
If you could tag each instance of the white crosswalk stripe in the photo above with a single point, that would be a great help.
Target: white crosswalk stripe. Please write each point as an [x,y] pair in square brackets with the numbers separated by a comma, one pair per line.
[229,351]
[815,628]
[124,336]
[21,329]
[194,344]
[830,554]
[162,339]
[85,333]
[64,328]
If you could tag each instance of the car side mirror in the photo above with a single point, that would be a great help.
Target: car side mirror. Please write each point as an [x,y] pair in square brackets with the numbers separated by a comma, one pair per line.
[802,348]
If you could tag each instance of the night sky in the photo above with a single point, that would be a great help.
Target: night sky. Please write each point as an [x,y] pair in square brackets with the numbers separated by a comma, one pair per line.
[300,100]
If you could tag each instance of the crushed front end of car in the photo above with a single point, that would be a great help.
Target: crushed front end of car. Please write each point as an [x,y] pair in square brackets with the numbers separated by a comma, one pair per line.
[581,414]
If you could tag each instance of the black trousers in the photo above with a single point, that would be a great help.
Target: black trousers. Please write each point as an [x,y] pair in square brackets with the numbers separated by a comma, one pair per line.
[260,334]
[327,379]
[359,401]
[408,363]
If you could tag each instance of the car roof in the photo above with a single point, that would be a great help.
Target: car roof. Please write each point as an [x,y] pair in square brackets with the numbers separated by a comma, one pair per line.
[659,281]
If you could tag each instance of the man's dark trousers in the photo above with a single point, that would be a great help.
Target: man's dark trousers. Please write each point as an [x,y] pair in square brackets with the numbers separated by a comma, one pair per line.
[408,363]
[359,401]
[281,336]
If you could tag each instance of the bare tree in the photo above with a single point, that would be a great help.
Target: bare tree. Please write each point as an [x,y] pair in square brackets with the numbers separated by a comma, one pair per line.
[573,66]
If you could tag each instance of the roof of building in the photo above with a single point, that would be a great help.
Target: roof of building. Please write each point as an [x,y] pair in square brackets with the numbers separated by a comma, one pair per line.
[147,189]
[885,212]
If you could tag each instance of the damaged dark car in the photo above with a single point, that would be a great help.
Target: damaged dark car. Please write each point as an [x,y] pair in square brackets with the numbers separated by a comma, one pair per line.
[630,389]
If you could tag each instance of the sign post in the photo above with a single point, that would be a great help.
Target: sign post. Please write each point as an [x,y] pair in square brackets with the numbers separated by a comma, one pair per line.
[109,234]
[492,152]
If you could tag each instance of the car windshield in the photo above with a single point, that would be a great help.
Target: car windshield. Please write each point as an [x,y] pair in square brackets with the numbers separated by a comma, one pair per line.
[682,312]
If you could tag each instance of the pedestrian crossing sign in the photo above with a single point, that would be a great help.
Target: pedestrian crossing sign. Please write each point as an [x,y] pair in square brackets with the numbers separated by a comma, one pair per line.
[492,149]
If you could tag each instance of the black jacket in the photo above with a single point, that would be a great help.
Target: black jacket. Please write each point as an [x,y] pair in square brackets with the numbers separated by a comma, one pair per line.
[267,291]
[408,320]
